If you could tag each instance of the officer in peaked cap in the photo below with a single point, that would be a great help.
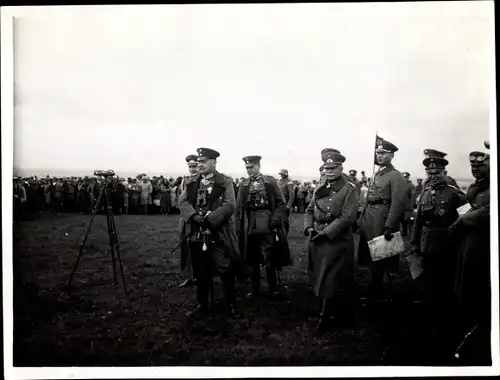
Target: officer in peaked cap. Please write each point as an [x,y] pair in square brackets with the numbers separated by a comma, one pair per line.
[206,154]
[384,208]
[288,192]
[209,246]
[327,152]
[260,210]
[431,242]
[472,282]
[192,163]
[433,153]
[328,224]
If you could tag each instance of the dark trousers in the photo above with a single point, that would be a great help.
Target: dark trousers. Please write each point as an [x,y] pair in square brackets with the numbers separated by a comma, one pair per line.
[204,270]
[260,249]
[381,270]
[286,221]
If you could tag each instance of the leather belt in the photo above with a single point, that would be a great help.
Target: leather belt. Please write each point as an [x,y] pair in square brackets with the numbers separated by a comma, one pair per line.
[378,201]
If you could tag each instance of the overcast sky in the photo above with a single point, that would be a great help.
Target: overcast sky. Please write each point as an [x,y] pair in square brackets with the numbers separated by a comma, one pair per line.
[138,88]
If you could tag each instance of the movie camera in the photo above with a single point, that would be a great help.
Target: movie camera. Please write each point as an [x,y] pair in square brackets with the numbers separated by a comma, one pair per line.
[104,202]
[104,173]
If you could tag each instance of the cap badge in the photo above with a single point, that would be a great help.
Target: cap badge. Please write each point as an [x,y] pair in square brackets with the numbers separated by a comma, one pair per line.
[433,165]
[329,161]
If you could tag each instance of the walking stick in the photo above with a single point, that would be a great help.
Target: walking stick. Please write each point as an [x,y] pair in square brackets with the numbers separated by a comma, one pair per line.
[457,352]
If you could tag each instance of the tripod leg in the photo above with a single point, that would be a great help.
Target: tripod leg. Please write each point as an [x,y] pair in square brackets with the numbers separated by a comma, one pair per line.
[99,199]
[108,211]
[118,255]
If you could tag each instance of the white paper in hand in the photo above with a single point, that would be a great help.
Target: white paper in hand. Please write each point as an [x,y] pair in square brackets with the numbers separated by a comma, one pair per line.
[464,209]
[415,265]
[382,249]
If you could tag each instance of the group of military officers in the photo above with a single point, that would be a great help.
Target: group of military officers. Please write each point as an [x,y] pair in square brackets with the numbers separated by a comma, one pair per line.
[231,231]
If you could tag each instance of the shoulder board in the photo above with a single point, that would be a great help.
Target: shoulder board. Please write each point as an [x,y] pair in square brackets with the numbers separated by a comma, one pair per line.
[453,187]
[268,178]
[352,184]
[427,188]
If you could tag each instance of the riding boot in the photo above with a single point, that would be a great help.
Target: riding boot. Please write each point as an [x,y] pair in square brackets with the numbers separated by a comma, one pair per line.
[255,278]
[202,292]
[228,281]
[326,317]
[271,279]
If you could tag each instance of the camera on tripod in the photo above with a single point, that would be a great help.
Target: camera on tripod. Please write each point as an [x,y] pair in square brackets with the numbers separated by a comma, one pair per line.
[104,173]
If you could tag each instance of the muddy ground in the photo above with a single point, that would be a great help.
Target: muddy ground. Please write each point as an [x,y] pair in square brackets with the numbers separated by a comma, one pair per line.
[97,325]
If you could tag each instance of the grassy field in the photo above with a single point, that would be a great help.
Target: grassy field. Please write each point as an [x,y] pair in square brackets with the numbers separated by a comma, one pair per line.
[97,325]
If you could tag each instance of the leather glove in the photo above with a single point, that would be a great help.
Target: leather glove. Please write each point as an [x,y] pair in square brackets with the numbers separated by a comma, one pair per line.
[388,234]
[273,225]
[311,232]
[318,235]
[198,219]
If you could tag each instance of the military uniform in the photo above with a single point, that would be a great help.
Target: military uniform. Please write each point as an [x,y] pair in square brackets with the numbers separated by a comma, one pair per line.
[328,223]
[436,211]
[260,211]
[287,189]
[210,247]
[352,178]
[472,281]
[385,204]
[192,162]
[407,222]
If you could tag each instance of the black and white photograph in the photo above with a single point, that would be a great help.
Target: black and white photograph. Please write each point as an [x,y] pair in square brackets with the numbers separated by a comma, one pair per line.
[250,190]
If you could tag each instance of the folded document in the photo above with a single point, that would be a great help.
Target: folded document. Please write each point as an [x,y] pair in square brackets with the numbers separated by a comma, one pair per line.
[382,249]
[464,209]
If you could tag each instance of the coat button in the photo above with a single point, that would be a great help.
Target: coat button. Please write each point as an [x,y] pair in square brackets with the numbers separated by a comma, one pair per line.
[330,199]
[328,208]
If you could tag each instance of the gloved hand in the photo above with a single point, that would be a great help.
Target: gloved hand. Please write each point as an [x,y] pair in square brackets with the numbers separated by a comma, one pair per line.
[318,235]
[388,234]
[273,225]
[311,232]
[198,219]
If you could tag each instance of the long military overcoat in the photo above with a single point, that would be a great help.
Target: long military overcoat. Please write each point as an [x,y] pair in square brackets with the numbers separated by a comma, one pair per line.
[390,185]
[281,254]
[331,257]
[472,283]
[221,204]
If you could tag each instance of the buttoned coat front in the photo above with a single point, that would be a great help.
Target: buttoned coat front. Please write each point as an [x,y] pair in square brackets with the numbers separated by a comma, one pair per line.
[221,205]
[277,207]
[331,257]
[472,283]
[390,185]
